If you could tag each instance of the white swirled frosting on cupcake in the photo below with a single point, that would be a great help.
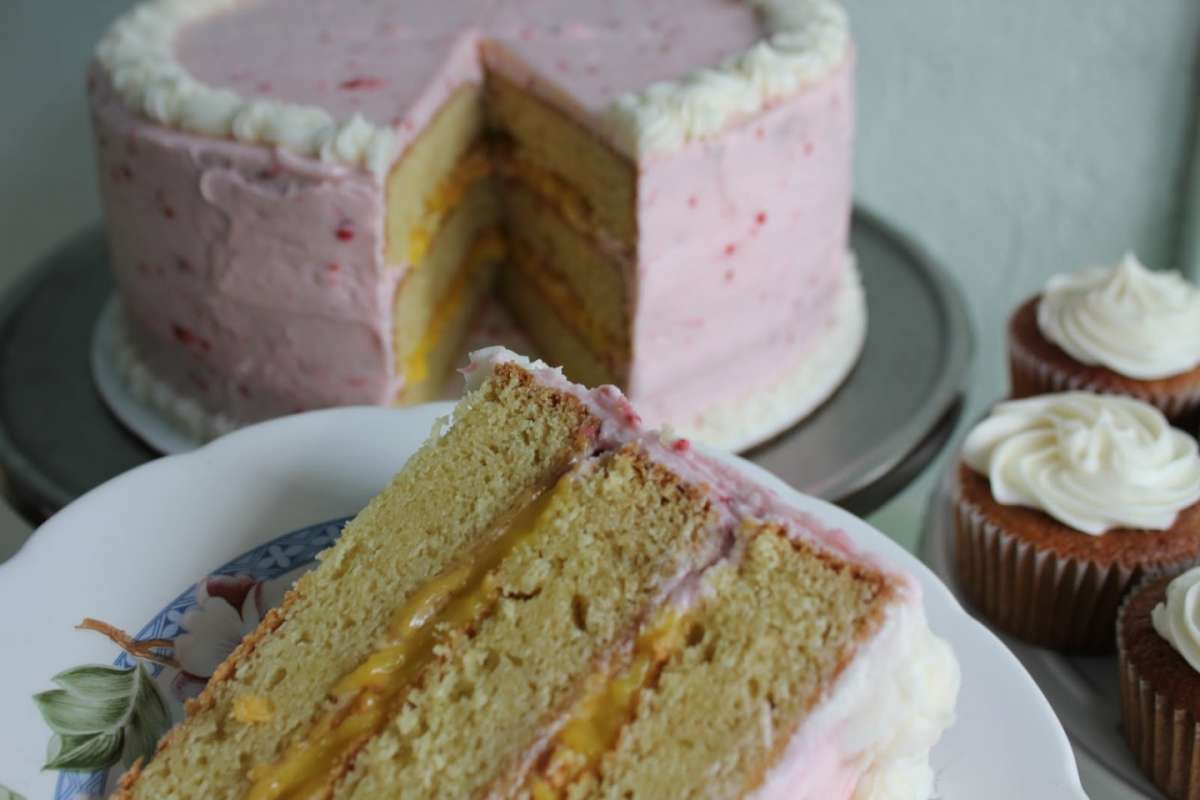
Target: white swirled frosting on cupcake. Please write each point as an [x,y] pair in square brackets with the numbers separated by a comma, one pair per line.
[1092,462]
[1142,324]
[1177,618]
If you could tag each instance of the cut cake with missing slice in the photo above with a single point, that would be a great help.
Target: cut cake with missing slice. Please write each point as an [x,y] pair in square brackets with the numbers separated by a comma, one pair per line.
[550,602]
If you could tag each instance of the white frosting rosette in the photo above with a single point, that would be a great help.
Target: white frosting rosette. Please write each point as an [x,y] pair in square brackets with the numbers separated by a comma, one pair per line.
[1177,618]
[1141,324]
[1092,462]
[1157,718]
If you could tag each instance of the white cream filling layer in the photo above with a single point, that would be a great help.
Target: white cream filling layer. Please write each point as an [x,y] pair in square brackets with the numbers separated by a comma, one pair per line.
[805,41]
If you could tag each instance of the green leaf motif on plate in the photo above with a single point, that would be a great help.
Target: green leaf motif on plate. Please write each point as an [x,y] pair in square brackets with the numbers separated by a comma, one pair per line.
[97,713]
[9,794]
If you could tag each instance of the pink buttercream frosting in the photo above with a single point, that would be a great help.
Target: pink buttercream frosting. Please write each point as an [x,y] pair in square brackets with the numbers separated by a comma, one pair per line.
[396,63]
[251,279]
[255,280]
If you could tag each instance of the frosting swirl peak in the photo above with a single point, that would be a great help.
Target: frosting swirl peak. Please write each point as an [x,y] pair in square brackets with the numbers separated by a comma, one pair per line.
[1177,618]
[1093,462]
[1142,324]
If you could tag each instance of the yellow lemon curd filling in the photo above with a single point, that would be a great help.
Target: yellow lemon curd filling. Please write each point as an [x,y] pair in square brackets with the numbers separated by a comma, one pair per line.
[489,248]
[444,199]
[595,723]
[364,700]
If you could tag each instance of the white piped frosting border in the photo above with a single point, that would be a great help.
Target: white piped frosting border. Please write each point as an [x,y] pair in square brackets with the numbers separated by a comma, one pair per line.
[1175,619]
[805,41]
[139,54]
[184,415]
[883,717]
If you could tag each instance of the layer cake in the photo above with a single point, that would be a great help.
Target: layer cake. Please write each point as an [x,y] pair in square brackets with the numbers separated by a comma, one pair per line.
[550,601]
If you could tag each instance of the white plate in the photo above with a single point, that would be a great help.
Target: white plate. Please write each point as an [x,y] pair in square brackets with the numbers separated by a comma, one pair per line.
[122,551]
[1083,690]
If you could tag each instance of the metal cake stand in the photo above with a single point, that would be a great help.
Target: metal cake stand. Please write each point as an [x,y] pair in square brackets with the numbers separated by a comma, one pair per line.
[867,442]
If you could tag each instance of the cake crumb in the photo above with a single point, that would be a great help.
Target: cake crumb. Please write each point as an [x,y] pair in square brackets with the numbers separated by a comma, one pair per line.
[250,709]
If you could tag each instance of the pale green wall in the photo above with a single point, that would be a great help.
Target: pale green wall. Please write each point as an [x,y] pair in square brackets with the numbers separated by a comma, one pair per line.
[1018,138]
[47,174]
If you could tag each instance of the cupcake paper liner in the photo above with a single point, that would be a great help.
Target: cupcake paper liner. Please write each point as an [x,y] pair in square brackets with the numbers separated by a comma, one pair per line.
[1037,595]
[1162,736]
[1032,376]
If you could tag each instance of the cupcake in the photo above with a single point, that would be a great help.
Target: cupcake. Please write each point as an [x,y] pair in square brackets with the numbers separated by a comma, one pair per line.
[1112,330]
[1063,501]
[1158,648]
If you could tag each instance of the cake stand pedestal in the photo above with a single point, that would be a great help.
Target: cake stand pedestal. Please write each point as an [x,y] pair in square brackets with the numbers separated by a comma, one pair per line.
[866,443]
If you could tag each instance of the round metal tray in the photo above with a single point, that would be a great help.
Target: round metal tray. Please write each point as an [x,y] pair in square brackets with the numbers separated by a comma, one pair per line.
[867,442]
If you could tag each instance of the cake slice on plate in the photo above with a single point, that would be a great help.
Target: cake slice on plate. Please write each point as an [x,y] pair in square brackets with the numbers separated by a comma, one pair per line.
[549,601]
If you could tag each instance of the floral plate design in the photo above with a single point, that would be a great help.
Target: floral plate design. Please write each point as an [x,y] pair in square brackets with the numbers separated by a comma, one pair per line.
[205,624]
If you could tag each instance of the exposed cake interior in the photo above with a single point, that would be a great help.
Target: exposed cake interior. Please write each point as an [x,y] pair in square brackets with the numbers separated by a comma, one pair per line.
[549,601]
[443,234]
[499,175]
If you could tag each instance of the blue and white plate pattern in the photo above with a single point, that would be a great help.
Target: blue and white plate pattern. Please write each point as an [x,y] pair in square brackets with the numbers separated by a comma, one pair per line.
[206,623]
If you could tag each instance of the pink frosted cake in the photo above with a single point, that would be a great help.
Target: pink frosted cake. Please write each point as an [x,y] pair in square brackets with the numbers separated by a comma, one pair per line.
[308,200]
